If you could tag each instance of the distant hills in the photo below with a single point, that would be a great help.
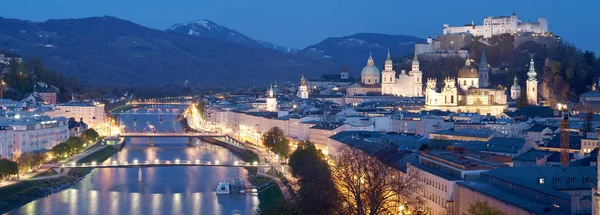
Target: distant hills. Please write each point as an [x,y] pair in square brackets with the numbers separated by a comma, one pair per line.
[354,50]
[111,51]
[207,28]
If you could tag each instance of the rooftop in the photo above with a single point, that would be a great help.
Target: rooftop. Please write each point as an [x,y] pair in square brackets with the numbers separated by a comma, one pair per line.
[466,160]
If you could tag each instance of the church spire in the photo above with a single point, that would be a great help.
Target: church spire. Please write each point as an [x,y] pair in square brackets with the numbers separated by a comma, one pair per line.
[370,61]
[483,62]
[531,73]
[468,61]
[389,56]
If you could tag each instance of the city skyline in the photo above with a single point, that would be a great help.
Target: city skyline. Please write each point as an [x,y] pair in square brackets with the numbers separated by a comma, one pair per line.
[302,24]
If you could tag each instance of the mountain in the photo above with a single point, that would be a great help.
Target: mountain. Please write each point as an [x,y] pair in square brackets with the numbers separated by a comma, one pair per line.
[110,51]
[207,28]
[353,50]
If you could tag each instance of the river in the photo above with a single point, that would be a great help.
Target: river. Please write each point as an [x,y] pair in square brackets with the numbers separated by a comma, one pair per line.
[164,190]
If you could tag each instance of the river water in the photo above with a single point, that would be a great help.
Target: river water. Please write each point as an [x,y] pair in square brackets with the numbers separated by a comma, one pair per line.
[164,190]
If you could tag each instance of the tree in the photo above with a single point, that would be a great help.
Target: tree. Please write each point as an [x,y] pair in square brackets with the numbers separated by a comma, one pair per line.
[368,186]
[276,141]
[74,144]
[483,208]
[89,135]
[555,67]
[7,168]
[317,193]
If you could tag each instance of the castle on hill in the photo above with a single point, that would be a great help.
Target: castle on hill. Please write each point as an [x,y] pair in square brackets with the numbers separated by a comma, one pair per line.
[496,25]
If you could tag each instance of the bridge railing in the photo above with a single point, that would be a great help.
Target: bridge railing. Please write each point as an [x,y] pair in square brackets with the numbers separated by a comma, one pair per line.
[157,162]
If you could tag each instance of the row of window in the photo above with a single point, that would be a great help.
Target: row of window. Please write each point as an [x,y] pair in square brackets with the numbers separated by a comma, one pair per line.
[571,180]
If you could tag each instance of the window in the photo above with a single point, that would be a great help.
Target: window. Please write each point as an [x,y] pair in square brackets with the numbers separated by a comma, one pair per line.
[541,181]
[586,180]
[571,180]
[556,180]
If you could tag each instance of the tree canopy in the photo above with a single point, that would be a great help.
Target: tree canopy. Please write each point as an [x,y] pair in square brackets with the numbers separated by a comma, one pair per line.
[276,141]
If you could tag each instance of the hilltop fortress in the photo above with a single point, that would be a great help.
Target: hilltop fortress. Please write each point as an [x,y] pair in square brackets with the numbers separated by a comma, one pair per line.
[496,25]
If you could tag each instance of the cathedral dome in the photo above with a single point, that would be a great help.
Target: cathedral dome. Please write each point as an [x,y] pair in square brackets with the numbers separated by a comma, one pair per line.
[370,69]
[515,87]
[468,71]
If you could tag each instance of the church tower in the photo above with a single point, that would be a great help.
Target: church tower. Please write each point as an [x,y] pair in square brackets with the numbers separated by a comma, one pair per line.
[515,90]
[484,71]
[388,76]
[532,84]
[271,100]
[303,89]
[417,75]
[344,74]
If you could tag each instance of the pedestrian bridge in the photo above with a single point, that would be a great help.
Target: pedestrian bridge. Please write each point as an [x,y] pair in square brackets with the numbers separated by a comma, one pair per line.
[157,163]
[166,134]
[149,113]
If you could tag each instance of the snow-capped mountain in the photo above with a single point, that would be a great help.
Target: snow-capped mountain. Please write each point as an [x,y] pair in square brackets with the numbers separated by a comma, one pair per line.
[207,28]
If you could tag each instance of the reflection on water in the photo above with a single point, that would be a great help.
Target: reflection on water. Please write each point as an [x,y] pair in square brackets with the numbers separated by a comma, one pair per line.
[164,190]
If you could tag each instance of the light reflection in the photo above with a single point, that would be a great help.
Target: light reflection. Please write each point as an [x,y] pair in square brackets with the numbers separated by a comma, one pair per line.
[73,201]
[93,201]
[156,203]
[176,203]
[114,202]
[135,203]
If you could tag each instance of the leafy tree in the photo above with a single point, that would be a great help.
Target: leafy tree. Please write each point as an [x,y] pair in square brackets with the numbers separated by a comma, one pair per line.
[89,135]
[7,168]
[317,193]
[483,208]
[74,144]
[555,67]
[276,141]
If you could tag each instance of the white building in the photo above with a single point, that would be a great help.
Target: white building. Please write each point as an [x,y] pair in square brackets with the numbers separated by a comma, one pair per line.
[36,133]
[406,85]
[91,113]
[496,25]
[7,142]
[532,85]
[303,89]
[470,98]
[271,100]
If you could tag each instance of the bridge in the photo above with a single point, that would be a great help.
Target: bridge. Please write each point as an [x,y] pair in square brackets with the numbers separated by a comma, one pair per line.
[160,103]
[157,163]
[163,134]
[221,137]
[148,113]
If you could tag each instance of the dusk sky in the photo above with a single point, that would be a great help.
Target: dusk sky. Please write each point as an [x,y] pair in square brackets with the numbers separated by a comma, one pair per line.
[302,23]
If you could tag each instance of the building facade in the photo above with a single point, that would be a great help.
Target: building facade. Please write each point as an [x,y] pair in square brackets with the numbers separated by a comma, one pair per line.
[91,113]
[406,85]
[496,25]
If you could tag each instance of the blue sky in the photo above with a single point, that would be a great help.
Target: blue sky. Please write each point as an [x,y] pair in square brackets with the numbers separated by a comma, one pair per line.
[305,22]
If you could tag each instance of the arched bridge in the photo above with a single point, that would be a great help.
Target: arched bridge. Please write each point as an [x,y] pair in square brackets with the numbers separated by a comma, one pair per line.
[157,163]
[166,134]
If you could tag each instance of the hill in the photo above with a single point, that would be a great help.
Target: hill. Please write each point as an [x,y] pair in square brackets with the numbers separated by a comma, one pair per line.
[353,50]
[110,51]
[210,29]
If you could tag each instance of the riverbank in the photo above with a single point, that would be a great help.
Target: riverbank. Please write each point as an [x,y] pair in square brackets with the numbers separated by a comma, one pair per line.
[23,192]
[268,197]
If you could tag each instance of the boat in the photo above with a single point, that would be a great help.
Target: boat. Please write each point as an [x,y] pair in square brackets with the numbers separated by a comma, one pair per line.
[223,188]
[237,186]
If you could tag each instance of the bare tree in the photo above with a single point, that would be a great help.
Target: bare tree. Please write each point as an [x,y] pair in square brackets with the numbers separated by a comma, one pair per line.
[368,186]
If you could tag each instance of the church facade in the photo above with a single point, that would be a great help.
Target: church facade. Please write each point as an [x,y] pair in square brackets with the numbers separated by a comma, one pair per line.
[469,96]
[405,85]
